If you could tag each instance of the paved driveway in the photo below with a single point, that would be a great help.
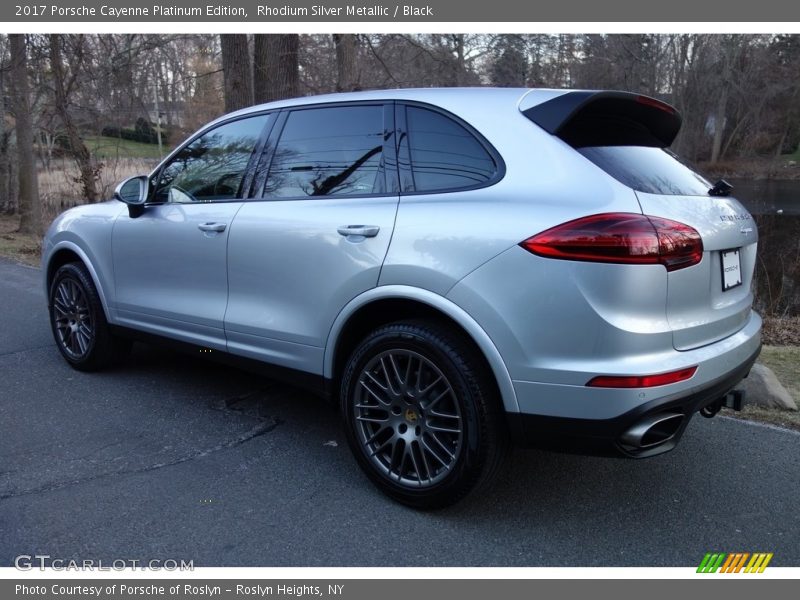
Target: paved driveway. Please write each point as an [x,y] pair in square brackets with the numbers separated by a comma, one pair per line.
[174,457]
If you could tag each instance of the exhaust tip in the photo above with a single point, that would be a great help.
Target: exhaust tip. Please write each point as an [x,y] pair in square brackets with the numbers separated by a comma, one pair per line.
[652,431]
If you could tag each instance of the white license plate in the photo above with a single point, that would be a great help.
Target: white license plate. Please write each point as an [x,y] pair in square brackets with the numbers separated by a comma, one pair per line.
[731,269]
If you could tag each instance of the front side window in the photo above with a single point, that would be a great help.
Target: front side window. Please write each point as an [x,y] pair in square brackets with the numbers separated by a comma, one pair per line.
[334,151]
[212,166]
[444,155]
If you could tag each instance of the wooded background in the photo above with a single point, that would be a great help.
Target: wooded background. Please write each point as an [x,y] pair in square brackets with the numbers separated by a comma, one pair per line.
[82,111]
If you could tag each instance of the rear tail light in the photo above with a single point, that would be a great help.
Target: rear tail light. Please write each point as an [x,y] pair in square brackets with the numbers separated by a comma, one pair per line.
[624,238]
[642,381]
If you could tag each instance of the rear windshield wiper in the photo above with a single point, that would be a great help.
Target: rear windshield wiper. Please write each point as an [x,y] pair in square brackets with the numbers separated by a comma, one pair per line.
[721,188]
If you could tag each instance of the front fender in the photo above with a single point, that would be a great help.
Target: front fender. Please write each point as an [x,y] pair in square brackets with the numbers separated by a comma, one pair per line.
[99,282]
[86,231]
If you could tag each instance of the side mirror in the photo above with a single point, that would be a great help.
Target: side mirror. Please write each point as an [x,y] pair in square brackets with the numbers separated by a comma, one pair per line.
[133,192]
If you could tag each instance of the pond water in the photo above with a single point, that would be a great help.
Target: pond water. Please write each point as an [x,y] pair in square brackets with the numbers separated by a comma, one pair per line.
[768,196]
[775,205]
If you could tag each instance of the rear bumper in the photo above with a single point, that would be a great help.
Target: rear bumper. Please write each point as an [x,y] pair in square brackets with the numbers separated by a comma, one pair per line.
[602,436]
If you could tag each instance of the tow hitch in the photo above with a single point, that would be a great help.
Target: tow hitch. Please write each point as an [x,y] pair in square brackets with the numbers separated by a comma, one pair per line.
[733,400]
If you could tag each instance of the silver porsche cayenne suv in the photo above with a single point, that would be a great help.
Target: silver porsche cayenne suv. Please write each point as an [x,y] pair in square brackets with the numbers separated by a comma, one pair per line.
[460,269]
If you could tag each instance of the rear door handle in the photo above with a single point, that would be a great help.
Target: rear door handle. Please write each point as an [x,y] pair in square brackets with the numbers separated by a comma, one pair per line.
[362,230]
[217,227]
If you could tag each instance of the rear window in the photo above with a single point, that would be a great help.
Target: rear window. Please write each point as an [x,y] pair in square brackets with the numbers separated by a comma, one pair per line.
[648,169]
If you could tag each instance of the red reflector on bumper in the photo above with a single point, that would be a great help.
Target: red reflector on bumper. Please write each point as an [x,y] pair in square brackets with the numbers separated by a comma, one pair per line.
[642,381]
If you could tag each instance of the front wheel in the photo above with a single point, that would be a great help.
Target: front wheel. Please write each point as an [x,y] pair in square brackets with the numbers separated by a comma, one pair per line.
[422,413]
[79,323]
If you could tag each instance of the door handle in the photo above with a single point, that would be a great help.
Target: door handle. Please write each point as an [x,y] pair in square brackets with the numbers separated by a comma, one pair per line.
[362,230]
[216,227]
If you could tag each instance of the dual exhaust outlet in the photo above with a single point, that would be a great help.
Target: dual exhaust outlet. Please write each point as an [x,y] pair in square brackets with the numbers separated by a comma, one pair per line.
[653,430]
[657,429]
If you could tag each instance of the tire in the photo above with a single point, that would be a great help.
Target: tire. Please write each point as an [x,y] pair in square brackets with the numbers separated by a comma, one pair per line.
[79,323]
[422,414]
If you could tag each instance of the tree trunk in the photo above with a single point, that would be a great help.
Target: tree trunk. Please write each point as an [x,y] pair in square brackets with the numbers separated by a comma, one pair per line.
[790,119]
[719,122]
[89,172]
[277,67]
[730,50]
[163,91]
[236,71]
[346,73]
[6,205]
[461,63]
[261,58]
[30,208]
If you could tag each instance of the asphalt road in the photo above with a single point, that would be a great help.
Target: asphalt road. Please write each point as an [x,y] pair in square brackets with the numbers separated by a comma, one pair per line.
[172,457]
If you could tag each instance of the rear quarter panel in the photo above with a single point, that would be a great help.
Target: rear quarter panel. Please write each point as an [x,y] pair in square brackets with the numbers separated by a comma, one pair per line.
[440,238]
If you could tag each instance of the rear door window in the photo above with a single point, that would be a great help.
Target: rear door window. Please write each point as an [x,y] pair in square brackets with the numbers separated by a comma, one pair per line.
[443,154]
[648,169]
[332,151]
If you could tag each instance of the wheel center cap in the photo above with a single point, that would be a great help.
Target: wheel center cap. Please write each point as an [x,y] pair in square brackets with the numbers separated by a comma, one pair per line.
[411,415]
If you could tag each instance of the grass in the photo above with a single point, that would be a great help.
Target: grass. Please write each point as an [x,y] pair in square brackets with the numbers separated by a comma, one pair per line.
[58,191]
[16,246]
[785,363]
[787,166]
[779,418]
[793,155]
[59,188]
[105,148]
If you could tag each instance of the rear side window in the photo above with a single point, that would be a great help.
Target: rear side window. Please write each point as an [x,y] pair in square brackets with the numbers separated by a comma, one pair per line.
[444,155]
[335,151]
[648,169]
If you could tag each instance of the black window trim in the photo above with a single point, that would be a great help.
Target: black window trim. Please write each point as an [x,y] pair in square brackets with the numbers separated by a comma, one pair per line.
[249,170]
[264,163]
[393,148]
[403,136]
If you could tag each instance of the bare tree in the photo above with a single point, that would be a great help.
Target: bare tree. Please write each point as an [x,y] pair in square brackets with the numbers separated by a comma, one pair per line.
[510,66]
[62,86]
[277,67]
[738,94]
[261,60]
[786,48]
[6,203]
[236,71]
[30,208]
[346,70]
[458,41]
[729,50]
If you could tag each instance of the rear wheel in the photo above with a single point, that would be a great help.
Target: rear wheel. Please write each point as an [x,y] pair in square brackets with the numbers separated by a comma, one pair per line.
[79,323]
[422,413]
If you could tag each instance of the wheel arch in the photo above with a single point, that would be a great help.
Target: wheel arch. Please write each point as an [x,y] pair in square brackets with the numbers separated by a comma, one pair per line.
[386,304]
[66,252]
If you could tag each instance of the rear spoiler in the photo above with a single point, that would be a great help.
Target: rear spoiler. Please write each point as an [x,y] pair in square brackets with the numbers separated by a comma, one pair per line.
[590,118]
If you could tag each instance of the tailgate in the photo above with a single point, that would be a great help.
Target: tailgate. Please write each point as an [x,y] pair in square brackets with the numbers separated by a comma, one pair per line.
[711,300]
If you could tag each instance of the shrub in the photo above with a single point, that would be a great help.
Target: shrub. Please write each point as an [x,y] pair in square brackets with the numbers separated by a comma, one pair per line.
[143,131]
